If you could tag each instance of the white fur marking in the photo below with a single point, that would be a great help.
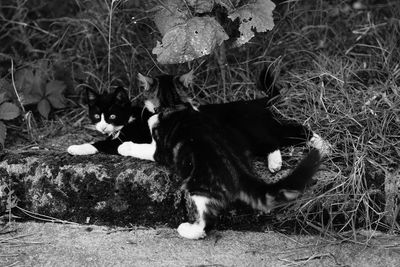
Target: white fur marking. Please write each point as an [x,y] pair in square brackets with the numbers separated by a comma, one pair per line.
[195,230]
[140,151]
[152,122]
[319,143]
[275,161]
[150,106]
[290,194]
[104,127]
[84,149]
[144,81]
[131,119]
[257,204]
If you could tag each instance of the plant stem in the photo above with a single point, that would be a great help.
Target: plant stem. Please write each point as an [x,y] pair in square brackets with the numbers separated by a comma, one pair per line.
[15,88]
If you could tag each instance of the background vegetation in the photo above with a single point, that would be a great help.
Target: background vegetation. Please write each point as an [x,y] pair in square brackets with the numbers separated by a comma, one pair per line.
[337,63]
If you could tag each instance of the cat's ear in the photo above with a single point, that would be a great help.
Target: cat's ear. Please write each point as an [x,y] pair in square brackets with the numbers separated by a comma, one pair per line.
[91,95]
[187,79]
[145,82]
[121,94]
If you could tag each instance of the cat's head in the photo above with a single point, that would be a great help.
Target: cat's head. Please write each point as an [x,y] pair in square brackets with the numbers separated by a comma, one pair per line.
[164,91]
[109,112]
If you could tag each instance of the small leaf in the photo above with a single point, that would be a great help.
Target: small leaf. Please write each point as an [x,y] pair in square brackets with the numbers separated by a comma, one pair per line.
[256,15]
[54,93]
[196,38]
[44,108]
[6,90]
[3,133]
[29,99]
[8,111]
[2,97]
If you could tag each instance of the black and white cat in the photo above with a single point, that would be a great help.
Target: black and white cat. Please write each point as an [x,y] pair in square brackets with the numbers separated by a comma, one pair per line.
[261,132]
[212,161]
[113,115]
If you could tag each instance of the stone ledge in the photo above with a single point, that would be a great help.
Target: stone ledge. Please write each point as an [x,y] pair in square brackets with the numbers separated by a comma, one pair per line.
[100,188]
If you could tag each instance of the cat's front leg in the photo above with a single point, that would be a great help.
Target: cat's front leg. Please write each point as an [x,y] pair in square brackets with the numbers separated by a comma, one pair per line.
[84,149]
[140,151]
[275,161]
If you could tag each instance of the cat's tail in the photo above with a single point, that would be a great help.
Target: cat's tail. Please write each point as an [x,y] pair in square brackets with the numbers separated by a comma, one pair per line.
[263,196]
[267,84]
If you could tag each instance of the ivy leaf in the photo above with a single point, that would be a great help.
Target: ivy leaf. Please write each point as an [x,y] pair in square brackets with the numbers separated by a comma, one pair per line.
[8,111]
[54,93]
[196,38]
[256,15]
[44,108]
[3,133]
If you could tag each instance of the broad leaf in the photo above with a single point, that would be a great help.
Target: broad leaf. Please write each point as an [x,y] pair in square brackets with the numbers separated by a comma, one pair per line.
[30,85]
[8,111]
[256,15]
[6,90]
[29,99]
[201,6]
[54,93]
[3,133]
[44,108]
[170,14]
[196,38]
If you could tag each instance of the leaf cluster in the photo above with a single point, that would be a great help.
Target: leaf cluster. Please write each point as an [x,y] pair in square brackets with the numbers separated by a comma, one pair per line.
[191,29]
[36,89]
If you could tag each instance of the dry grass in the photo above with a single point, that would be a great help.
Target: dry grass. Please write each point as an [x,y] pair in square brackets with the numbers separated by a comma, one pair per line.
[338,68]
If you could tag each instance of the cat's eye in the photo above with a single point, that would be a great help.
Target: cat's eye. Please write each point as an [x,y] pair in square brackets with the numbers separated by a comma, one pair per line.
[96,116]
[112,117]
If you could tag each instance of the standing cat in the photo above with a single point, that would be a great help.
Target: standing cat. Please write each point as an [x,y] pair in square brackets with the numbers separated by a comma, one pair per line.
[261,132]
[113,115]
[212,162]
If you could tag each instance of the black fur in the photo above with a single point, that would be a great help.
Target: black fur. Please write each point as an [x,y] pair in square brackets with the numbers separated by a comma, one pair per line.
[262,133]
[215,167]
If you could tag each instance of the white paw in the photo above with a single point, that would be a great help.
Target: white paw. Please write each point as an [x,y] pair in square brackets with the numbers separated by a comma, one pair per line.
[322,145]
[84,149]
[275,161]
[191,231]
[126,149]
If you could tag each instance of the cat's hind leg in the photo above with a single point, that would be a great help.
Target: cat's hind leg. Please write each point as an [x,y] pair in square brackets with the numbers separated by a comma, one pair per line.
[197,230]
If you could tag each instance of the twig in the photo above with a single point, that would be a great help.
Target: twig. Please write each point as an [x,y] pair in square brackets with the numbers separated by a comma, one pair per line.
[44,217]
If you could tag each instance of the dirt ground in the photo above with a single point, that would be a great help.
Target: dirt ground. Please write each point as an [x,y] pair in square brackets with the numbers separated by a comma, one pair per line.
[48,244]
